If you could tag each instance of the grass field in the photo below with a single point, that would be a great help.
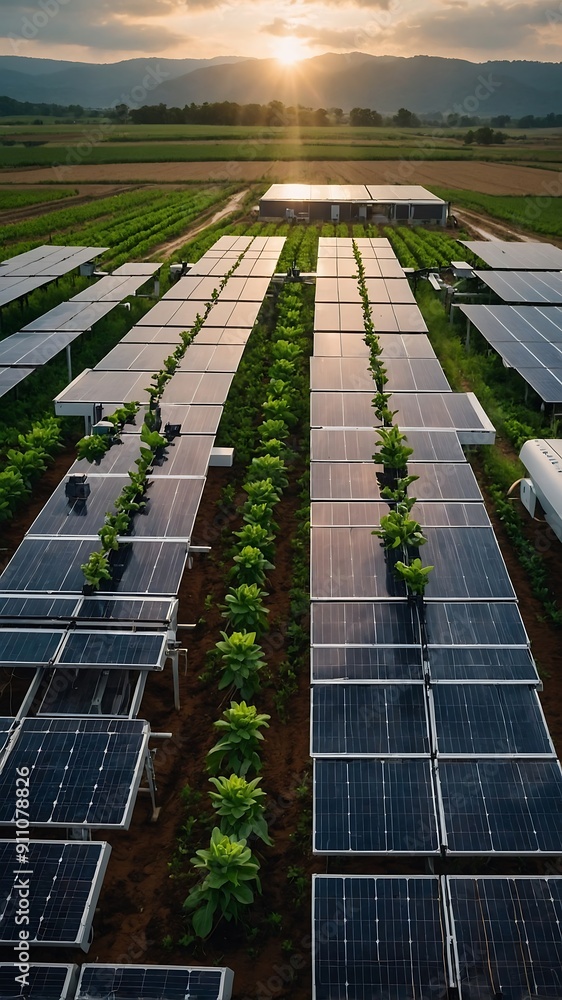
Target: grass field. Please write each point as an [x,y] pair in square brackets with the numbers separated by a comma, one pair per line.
[542,213]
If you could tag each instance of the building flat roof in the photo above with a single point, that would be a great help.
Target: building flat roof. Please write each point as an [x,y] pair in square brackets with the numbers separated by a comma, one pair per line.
[350,192]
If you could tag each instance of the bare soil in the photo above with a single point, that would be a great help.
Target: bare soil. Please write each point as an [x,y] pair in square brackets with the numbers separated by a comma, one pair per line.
[232,205]
[489,178]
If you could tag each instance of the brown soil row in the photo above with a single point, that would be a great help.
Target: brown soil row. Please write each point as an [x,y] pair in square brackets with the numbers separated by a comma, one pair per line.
[489,178]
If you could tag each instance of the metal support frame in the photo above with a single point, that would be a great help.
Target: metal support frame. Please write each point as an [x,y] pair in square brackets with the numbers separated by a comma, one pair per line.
[69,362]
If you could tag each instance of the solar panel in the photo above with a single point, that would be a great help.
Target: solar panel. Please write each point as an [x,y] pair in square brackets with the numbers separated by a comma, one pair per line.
[147,358]
[10,377]
[28,647]
[350,563]
[508,936]
[352,345]
[44,982]
[369,513]
[154,982]
[63,891]
[369,720]
[198,419]
[64,516]
[208,357]
[433,411]
[363,623]
[194,387]
[477,664]
[31,607]
[358,481]
[358,444]
[471,624]
[489,719]
[352,374]
[374,807]
[83,772]
[137,267]
[506,255]
[13,287]
[501,806]
[146,567]
[33,348]
[524,286]
[377,937]
[341,664]
[113,649]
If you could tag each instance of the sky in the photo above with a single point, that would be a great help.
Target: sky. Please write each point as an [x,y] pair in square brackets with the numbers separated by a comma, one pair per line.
[110,30]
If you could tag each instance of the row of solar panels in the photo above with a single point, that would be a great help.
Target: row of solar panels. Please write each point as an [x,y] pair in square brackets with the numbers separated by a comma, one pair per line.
[27,271]
[423,936]
[46,336]
[452,761]
[118,982]
[85,773]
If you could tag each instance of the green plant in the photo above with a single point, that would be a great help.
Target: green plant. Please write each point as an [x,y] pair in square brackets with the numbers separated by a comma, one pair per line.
[96,569]
[245,610]
[229,868]
[415,575]
[274,920]
[259,537]
[398,529]
[236,751]
[250,566]
[392,453]
[242,661]
[261,491]
[268,467]
[240,804]
[93,446]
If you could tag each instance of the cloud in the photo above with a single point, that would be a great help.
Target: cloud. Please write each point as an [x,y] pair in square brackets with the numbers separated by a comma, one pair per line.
[336,39]
[486,27]
[383,5]
[99,25]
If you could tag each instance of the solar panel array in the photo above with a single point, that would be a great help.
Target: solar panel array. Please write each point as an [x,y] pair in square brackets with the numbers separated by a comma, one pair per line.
[85,771]
[47,335]
[22,274]
[414,936]
[114,982]
[528,339]
[427,737]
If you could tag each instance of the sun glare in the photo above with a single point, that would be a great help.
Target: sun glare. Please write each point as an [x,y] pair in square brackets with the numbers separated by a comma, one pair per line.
[289,50]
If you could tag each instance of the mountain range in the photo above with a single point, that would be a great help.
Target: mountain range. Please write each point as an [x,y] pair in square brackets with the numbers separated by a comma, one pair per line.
[424,84]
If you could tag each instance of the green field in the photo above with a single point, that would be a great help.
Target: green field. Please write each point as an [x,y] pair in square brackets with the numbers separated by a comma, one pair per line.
[23,199]
[538,213]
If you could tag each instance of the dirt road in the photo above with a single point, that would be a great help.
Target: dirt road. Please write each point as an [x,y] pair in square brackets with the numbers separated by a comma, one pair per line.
[231,206]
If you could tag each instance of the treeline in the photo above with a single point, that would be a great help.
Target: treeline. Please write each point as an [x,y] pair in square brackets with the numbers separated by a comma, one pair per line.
[9,106]
[230,113]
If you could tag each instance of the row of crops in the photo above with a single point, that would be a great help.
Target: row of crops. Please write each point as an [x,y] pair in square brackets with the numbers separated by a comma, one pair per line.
[131,224]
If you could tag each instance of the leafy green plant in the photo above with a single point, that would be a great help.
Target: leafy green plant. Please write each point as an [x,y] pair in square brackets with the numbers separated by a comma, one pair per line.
[245,610]
[259,537]
[240,804]
[261,491]
[96,569]
[230,869]
[399,492]
[242,661]
[93,446]
[250,566]
[392,453]
[397,529]
[268,467]
[237,749]
[414,575]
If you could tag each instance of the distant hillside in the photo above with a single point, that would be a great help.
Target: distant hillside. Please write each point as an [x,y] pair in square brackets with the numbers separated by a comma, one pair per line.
[93,86]
[425,84]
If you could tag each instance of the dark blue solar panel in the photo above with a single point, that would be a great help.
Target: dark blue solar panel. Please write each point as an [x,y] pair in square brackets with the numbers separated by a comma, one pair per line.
[504,806]
[107,609]
[81,771]
[363,623]
[378,938]
[129,982]
[485,719]
[367,663]
[139,650]
[40,607]
[509,937]
[374,806]
[31,648]
[369,719]
[482,663]
[475,624]
[44,982]
[65,883]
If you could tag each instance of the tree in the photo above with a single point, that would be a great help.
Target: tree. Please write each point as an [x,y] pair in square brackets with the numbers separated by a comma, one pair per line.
[500,121]
[469,138]
[406,119]
[120,113]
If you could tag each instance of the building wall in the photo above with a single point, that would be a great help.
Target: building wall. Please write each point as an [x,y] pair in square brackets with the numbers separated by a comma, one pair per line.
[321,211]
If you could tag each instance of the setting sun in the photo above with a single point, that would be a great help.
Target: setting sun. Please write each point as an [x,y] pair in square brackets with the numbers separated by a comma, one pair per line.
[289,50]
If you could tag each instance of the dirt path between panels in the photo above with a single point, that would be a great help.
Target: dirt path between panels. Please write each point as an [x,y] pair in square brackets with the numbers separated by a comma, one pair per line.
[231,206]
